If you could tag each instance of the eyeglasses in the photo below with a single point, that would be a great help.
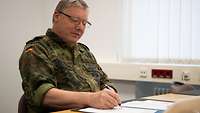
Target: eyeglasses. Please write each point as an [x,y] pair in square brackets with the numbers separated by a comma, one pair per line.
[76,20]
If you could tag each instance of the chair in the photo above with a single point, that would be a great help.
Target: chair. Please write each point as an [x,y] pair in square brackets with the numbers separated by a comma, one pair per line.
[179,87]
[22,105]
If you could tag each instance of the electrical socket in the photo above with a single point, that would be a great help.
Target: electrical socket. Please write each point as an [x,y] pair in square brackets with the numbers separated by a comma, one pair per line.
[186,76]
[143,74]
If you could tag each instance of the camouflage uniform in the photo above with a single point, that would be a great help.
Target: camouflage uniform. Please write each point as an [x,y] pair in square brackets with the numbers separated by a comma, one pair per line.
[48,62]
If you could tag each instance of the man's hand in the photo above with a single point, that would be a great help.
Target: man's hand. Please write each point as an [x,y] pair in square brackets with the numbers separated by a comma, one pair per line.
[105,99]
[60,99]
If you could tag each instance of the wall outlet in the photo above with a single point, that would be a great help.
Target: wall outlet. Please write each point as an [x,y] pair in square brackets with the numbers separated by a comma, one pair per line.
[186,76]
[143,74]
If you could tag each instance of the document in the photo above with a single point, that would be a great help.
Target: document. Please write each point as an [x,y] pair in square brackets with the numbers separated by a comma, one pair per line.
[148,104]
[118,110]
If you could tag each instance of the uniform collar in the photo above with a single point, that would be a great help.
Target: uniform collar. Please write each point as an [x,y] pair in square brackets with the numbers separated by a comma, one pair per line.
[59,40]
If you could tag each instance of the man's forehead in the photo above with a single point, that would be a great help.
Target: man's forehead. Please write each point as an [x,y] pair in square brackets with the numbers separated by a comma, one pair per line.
[75,8]
[77,11]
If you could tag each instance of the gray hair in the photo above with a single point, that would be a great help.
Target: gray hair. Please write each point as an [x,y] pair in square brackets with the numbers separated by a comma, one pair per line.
[64,4]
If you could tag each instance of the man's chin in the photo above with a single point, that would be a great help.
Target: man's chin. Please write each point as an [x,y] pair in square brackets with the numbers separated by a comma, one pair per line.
[75,39]
[72,40]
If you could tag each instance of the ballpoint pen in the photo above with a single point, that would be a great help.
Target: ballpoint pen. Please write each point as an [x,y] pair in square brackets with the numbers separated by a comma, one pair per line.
[108,87]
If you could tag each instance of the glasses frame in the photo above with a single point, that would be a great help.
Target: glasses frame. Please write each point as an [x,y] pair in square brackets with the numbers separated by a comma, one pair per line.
[76,19]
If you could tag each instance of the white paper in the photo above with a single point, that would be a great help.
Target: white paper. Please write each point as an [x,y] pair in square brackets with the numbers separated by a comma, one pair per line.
[148,104]
[118,110]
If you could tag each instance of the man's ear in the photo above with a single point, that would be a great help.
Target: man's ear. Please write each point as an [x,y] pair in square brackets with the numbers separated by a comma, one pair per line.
[56,16]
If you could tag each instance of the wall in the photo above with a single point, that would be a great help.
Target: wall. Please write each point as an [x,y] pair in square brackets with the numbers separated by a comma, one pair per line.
[104,34]
[21,20]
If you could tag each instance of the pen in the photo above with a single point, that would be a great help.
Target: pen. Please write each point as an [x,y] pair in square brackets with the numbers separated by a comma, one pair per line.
[108,87]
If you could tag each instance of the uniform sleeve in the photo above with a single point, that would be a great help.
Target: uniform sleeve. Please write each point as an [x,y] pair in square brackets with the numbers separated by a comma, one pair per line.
[37,74]
[104,77]
[104,80]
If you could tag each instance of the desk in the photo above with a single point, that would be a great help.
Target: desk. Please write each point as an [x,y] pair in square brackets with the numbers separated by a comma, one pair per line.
[165,97]
[169,97]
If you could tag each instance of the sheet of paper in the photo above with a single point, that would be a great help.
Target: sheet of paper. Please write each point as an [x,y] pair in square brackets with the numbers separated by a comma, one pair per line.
[149,104]
[118,110]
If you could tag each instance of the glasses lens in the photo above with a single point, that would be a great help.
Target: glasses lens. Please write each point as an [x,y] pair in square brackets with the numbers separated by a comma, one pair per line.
[77,20]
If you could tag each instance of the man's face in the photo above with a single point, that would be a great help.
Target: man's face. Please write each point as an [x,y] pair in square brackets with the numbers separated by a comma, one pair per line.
[70,24]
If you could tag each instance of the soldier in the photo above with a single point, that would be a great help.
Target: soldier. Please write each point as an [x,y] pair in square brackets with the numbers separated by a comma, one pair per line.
[60,73]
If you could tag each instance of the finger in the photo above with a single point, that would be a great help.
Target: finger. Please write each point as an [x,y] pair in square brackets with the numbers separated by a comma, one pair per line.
[110,103]
[114,95]
[111,99]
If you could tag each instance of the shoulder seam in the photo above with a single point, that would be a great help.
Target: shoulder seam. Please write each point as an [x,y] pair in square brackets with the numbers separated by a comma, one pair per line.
[84,46]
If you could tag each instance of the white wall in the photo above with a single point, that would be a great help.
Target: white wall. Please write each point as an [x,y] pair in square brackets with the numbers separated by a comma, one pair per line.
[103,36]
[21,20]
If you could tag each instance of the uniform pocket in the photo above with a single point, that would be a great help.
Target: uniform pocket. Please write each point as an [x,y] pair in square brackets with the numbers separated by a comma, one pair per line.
[65,75]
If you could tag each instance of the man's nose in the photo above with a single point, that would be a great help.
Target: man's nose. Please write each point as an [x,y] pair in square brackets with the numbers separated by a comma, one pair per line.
[79,26]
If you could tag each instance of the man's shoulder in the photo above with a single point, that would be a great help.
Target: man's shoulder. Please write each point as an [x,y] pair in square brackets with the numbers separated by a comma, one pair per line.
[36,39]
[39,42]
[83,46]
[86,51]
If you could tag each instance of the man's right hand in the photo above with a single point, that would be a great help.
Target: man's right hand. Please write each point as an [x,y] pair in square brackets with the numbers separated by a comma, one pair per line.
[105,99]
[59,99]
